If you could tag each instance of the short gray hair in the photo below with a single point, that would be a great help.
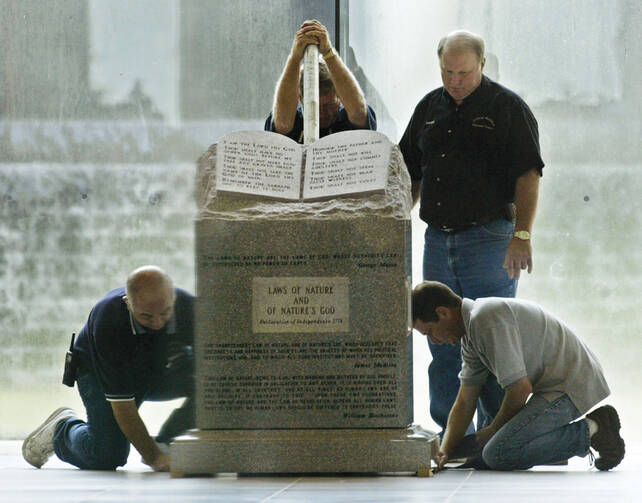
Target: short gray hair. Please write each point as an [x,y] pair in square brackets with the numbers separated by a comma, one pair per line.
[462,41]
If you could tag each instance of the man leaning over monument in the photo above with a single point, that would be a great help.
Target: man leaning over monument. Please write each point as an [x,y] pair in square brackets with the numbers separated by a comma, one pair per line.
[533,354]
[136,346]
[472,150]
[342,105]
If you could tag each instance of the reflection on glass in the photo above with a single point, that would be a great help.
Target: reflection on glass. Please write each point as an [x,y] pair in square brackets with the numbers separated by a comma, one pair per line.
[586,94]
[105,106]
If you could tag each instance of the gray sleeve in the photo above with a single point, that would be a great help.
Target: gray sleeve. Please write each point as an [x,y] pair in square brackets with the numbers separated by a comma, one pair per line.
[501,345]
[473,371]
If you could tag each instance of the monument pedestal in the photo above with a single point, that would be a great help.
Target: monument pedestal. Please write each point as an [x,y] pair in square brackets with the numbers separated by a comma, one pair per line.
[303,351]
[361,450]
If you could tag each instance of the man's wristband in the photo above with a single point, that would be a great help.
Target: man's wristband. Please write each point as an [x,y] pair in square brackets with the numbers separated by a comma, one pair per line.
[329,54]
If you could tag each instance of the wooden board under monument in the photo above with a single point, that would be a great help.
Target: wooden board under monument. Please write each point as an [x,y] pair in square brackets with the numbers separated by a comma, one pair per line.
[302,315]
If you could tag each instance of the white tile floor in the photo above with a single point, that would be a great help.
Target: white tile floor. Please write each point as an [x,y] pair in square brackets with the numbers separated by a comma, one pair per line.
[58,482]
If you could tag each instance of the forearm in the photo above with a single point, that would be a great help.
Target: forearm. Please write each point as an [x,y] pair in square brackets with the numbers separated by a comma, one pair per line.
[349,91]
[459,418]
[526,195]
[134,429]
[519,254]
[458,421]
[286,96]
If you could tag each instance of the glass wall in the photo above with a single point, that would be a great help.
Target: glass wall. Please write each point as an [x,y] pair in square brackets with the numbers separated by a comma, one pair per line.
[106,104]
[104,107]
[577,64]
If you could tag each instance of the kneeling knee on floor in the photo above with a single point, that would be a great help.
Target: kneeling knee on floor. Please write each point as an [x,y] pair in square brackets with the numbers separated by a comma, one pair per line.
[109,459]
[496,459]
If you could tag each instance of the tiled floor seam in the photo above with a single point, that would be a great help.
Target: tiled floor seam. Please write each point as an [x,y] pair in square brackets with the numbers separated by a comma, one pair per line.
[452,494]
[280,491]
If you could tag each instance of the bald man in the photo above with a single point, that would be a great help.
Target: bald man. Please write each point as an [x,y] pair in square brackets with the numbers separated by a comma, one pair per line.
[135,346]
[472,151]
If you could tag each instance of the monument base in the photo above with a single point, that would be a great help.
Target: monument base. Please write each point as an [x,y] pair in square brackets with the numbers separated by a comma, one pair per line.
[204,452]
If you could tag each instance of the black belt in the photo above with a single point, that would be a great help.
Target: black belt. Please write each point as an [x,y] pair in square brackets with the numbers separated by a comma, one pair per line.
[506,212]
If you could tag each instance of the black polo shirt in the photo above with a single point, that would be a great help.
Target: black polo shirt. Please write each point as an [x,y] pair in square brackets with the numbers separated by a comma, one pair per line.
[341,123]
[125,357]
[469,156]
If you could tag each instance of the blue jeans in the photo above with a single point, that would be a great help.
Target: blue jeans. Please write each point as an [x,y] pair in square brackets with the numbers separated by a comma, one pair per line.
[99,444]
[470,263]
[541,433]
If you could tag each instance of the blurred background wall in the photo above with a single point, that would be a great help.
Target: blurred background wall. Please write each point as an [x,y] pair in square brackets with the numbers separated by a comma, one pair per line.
[578,65]
[106,104]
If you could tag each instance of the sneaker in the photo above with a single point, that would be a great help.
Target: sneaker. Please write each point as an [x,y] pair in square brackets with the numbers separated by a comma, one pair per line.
[607,440]
[38,446]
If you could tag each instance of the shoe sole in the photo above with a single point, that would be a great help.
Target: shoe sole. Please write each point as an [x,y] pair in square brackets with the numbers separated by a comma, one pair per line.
[38,431]
[606,463]
[612,423]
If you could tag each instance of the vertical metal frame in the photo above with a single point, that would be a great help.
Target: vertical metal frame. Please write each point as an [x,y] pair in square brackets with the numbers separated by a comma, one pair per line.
[341,26]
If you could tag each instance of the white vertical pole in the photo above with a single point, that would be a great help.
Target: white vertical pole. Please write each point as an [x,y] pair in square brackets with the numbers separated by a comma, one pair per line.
[311,94]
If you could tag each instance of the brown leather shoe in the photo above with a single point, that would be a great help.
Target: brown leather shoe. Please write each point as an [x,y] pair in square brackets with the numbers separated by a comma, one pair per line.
[607,440]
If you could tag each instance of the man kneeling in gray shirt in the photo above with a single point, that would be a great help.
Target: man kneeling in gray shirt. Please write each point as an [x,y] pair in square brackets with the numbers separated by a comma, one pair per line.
[532,354]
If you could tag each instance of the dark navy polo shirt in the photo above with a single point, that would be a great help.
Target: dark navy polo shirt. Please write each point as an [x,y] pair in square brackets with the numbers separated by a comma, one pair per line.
[469,156]
[340,124]
[125,357]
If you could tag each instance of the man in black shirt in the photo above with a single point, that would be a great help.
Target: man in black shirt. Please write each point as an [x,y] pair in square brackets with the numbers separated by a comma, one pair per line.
[472,151]
[135,346]
[342,106]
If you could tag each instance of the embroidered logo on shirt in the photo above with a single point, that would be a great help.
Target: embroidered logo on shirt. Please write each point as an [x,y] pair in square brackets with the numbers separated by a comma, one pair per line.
[430,123]
[485,122]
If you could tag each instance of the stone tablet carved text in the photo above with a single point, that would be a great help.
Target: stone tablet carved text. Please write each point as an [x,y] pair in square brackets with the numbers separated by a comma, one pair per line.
[271,165]
[292,304]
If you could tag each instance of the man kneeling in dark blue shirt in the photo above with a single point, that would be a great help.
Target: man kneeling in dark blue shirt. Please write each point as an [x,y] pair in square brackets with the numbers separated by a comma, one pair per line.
[135,346]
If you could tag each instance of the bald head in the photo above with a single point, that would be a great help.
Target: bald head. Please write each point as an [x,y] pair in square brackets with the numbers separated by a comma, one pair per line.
[462,41]
[150,296]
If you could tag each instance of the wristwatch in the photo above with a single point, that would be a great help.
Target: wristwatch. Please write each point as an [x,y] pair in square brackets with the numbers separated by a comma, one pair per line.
[523,235]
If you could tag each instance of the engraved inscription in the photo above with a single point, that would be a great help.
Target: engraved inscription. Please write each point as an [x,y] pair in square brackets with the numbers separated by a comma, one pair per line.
[287,304]
[359,163]
[254,162]
[268,164]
